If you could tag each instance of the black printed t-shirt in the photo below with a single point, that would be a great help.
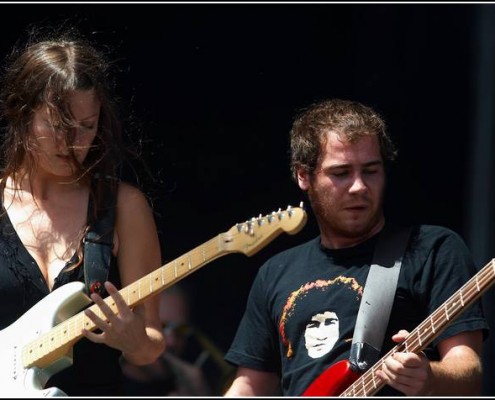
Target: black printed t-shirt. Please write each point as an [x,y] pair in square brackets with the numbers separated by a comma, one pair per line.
[302,307]
[96,369]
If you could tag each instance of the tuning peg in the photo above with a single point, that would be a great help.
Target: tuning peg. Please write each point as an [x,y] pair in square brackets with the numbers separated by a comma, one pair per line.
[270,217]
[260,220]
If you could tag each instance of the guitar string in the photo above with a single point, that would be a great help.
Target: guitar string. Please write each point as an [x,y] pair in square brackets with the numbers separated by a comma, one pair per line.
[473,289]
[61,334]
[68,331]
[416,343]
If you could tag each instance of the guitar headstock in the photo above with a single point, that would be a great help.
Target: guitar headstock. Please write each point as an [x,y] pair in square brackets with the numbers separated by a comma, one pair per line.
[254,234]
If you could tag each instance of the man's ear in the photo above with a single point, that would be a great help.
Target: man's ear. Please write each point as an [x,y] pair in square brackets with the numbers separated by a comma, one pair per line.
[303,178]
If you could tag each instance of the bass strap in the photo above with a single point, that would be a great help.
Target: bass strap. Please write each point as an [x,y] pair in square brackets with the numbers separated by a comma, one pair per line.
[98,241]
[378,297]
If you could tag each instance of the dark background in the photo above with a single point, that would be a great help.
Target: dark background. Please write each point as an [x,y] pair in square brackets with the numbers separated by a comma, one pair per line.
[213,89]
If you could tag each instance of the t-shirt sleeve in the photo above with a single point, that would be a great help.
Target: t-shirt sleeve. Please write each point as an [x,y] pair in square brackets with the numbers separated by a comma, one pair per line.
[453,267]
[255,343]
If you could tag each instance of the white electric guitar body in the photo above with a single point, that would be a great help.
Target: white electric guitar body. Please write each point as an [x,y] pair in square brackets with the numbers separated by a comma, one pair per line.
[18,381]
[39,343]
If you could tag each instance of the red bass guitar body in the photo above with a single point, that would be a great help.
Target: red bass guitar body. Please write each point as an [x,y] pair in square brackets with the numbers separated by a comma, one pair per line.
[340,380]
[333,381]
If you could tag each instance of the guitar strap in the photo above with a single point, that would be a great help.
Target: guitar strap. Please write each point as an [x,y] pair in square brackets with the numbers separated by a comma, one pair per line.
[378,297]
[98,242]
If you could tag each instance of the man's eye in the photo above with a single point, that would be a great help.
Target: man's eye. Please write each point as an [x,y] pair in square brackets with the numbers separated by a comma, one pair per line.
[370,171]
[339,174]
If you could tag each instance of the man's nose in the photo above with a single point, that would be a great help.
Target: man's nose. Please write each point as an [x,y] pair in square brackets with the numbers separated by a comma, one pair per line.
[358,184]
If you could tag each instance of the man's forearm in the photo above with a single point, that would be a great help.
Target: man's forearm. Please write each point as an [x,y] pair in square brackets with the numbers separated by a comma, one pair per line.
[456,376]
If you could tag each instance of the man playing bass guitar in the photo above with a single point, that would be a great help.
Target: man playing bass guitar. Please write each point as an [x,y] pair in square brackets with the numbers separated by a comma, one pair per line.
[302,307]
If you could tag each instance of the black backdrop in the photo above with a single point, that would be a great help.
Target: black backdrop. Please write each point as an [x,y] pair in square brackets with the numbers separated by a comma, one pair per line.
[214,88]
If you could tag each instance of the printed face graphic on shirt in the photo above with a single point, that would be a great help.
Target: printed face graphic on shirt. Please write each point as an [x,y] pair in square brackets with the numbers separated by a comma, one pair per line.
[320,327]
[321,334]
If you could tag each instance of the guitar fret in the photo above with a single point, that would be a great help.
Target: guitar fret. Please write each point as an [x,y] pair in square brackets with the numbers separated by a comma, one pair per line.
[373,380]
[86,323]
[43,345]
[157,280]
[144,289]
[132,293]
[66,330]
[457,305]
[368,384]
[83,322]
[60,338]
[364,387]
[55,342]
[34,352]
[63,336]
[43,350]
[51,341]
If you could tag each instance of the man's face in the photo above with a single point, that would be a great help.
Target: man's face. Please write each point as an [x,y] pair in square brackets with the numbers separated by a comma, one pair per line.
[321,334]
[347,187]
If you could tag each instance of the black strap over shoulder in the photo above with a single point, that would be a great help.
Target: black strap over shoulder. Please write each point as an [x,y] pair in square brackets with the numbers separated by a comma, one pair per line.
[98,241]
[378,297]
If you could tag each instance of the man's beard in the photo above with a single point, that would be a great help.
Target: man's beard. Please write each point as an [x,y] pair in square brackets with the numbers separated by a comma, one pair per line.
[329,219]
